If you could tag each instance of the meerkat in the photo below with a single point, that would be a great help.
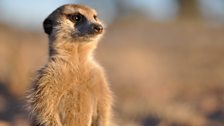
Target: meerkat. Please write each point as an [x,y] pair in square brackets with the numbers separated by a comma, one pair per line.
[71,89]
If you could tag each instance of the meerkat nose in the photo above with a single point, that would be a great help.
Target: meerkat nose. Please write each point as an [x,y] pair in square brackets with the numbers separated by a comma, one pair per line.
[97,28]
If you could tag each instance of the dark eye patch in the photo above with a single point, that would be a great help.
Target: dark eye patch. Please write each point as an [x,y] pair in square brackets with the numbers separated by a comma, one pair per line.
[76,17]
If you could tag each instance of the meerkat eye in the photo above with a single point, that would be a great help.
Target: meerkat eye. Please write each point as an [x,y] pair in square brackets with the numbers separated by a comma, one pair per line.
[75,18]
[95,17]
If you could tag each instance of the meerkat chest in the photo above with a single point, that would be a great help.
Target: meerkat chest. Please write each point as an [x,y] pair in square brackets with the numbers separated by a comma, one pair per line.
[81,74]
[81,77]
[80,92]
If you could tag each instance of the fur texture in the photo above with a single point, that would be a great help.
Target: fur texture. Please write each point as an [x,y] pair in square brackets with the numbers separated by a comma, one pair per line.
[71,89]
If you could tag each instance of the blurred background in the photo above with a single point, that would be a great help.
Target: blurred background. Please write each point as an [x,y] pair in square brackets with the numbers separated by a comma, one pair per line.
[164,58]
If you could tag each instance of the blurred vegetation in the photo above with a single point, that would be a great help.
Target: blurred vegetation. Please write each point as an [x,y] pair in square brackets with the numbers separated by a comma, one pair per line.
[162,74]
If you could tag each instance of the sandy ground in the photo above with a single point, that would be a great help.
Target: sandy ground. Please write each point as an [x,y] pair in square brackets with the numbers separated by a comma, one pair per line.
[161,74]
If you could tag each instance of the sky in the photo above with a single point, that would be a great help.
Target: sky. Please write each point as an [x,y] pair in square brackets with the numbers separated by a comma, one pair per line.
[26,12]
[212,9]
[157,9]
[30,14]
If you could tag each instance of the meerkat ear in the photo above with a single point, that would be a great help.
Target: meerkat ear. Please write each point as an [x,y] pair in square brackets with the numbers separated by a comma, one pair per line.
[48,26]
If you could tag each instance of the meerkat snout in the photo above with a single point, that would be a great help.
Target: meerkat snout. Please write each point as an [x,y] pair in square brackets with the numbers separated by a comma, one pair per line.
[78,23]
[97,28]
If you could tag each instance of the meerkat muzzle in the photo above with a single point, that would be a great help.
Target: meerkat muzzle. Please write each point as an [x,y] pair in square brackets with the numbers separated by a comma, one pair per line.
[97,28]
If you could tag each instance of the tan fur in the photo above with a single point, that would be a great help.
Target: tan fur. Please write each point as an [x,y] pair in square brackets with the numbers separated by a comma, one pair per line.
[71,90]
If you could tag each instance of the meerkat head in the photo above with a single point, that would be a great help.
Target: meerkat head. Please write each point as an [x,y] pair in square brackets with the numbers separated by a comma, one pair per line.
[73,23]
